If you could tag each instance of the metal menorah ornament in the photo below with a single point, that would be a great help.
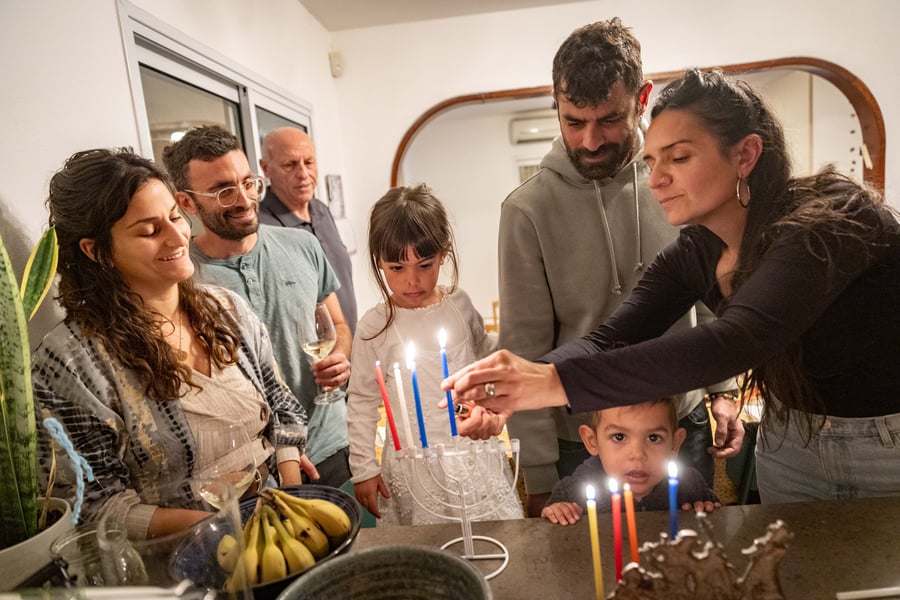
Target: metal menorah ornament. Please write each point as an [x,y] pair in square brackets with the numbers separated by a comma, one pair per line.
[690,567]
[465,480]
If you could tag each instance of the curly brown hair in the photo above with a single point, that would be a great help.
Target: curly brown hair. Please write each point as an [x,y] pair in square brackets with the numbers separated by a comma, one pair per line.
[593,58]
[205,143]
[87,196]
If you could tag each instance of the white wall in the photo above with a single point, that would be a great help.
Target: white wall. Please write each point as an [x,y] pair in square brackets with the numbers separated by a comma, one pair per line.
[395,73]
[470,165]
[67,89]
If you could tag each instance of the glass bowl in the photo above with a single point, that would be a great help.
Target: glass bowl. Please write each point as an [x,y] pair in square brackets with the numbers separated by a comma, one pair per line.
[183,566]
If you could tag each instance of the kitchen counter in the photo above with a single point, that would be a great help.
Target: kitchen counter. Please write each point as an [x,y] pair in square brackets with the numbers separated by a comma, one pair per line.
[837,546]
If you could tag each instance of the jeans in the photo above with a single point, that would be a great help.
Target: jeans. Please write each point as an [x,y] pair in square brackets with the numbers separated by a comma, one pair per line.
[846,458]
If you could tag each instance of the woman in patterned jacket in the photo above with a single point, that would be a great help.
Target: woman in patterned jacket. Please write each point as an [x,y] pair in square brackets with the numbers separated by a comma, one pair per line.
[144,355]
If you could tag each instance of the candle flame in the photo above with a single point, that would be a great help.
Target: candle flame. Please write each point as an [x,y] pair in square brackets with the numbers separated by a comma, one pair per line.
[442,338]
[411,356]
[626,487]
[673,469]
[396,365]
[614,486]
[589,493]
[377,363]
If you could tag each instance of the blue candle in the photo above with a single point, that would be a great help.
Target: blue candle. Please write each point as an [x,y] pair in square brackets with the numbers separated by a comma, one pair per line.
[442,339]
[411,365]
[673,499]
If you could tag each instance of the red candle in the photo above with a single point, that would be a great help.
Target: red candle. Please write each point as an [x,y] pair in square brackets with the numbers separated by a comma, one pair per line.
[632,527]
[387,405]
[617,524]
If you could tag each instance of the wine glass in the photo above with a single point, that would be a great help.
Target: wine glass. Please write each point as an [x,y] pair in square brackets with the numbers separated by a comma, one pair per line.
[186,561]
[317,338]
[226,455]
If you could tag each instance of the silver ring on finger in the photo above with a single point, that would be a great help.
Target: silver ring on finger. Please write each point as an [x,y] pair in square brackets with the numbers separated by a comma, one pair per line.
[490,389]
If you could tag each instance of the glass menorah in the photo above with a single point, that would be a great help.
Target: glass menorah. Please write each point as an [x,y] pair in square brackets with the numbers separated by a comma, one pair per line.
[465,480]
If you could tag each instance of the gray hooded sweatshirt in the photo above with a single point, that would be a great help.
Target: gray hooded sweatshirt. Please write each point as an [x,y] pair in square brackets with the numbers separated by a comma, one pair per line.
[570,251]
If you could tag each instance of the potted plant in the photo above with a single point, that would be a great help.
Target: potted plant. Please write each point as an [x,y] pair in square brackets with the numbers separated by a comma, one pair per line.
[19,494]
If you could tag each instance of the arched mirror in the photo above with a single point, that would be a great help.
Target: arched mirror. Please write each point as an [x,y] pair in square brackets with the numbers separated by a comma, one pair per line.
[473,150]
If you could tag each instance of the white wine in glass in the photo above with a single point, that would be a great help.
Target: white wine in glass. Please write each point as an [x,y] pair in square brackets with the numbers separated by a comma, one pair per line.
[319,349]
[213,491]
[227,449]
[317,338]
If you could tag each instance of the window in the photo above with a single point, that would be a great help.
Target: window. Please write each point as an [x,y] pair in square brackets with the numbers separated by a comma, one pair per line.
[174,107]
[268,121]
[178,84]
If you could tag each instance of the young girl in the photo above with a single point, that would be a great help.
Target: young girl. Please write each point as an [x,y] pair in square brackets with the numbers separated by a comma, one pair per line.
[409,240]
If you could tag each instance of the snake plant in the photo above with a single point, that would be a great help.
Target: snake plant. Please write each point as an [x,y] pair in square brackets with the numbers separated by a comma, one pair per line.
[18,437]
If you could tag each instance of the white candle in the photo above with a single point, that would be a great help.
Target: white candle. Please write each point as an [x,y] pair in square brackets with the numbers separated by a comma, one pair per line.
[404,416]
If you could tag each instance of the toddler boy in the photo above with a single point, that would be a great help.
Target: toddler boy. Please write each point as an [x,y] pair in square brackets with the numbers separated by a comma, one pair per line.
[632,444]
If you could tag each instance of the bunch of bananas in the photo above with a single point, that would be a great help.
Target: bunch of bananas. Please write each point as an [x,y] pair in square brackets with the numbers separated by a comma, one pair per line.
[284,535]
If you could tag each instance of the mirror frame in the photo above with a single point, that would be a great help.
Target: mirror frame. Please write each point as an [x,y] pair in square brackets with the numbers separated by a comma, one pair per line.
[861,99]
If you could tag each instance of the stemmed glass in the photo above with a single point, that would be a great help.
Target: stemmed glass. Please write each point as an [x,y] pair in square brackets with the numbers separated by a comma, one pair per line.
[317,338]
[226,455]
[186,561]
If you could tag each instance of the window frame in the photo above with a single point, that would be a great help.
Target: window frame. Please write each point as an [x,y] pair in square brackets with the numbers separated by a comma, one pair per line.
[153,43]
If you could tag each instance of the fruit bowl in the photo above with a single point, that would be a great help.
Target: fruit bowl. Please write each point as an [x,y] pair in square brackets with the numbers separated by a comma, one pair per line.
[184,560]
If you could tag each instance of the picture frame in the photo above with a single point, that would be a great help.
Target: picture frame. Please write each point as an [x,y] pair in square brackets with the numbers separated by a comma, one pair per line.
[334,189]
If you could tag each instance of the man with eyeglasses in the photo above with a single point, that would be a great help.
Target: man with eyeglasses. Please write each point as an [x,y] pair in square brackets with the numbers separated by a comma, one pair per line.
[289,161]
[282,273]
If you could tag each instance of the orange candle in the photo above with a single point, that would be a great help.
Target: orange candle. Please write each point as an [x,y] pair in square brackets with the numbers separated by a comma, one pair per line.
[617,524]
[387,404]
[632,527]
[595,540]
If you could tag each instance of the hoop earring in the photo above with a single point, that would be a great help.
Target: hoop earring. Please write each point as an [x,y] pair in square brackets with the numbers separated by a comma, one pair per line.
[738,193]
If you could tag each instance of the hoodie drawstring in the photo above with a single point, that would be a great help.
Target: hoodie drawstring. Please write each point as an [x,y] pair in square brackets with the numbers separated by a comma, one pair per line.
[637,217]
[617,285]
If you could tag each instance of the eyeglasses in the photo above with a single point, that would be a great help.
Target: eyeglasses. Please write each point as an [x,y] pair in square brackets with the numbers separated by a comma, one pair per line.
[252,187]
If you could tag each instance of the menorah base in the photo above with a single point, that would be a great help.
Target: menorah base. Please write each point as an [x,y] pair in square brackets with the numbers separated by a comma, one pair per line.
[470,554]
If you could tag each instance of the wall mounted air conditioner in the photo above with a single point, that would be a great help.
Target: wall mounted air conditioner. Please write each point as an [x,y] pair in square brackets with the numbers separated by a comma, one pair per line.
[533,129]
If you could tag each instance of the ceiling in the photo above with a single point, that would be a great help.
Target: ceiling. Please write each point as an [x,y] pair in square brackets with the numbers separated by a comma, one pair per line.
[336,15]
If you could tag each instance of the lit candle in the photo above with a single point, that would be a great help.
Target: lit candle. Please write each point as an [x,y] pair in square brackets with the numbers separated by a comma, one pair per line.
[595,540]
[442,339]
[411,365]
[617,524]
[632,527]
[673,499]
[404,415]
[387,404]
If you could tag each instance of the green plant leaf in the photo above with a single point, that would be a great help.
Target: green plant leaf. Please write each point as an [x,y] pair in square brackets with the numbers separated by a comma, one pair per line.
[39,272]
[18,438]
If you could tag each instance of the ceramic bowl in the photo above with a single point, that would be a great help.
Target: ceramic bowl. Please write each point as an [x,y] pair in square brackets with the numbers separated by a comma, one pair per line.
[399,571]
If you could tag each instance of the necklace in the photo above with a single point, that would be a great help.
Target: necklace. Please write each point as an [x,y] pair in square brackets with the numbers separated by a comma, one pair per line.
[180,354]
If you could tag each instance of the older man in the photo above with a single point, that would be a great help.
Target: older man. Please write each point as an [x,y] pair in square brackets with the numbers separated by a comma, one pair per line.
[289,161]
[281,273]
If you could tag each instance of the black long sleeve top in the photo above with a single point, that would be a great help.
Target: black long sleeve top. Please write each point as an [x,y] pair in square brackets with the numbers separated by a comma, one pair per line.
[845,314]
